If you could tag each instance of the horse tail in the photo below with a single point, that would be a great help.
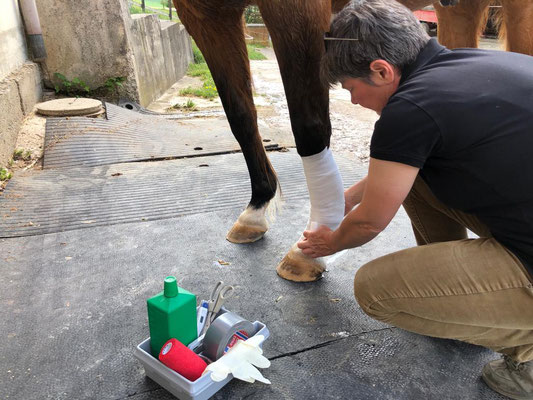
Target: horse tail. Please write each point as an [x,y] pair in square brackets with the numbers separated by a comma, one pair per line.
[498,21]
[484,19]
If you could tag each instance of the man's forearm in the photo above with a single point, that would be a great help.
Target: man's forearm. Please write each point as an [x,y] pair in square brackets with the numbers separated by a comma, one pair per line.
[354,231]
[354,194]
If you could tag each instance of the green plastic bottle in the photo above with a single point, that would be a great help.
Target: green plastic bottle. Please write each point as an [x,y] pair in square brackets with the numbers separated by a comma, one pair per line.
[171,314]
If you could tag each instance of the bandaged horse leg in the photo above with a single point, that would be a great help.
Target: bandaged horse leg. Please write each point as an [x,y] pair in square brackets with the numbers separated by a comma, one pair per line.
[326,195]
[297,29]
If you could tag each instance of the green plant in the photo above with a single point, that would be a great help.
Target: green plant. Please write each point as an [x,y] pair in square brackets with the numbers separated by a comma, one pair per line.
[200,69]
[208,89]
[70,87]
[197,54]
[20,154]
[252,15]
[189,105]
[152,7]
[134,9]
[112,84]
[206,92]
[253,54]
[5,175]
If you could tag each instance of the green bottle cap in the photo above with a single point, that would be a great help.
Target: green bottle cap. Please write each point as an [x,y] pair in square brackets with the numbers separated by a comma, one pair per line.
[171,286]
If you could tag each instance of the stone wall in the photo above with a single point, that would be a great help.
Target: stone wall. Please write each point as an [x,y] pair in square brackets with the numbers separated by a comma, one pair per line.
[162,52]
[89,41]
[259,33]
[98,40]
[20,79]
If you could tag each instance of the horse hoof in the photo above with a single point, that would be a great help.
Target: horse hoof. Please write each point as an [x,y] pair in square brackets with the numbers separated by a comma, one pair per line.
[249,227]
[240,233]
[298,267]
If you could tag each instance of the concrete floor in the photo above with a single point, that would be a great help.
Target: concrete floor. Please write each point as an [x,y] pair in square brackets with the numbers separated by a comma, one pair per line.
[73,301]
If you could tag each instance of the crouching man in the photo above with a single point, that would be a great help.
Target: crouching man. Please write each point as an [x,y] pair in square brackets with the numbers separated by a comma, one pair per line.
[453,145]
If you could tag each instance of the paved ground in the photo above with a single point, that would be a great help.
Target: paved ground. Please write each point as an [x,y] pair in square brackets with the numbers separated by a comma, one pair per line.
[73,301]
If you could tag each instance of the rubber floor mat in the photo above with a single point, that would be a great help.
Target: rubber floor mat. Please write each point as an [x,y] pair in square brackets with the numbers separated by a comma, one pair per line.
[128,136]
[65,199]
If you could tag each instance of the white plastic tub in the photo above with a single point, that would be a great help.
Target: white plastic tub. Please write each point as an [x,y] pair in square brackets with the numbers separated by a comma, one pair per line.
[201,389]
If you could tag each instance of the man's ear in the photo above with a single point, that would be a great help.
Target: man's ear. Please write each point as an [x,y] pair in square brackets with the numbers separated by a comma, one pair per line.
[382,72]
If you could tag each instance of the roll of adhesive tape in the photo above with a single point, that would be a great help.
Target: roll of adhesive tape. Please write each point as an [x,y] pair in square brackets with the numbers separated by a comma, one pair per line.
[224,332]
[181,359]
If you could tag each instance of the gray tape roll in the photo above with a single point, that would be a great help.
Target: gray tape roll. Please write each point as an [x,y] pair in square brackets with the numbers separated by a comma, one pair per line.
[223,332]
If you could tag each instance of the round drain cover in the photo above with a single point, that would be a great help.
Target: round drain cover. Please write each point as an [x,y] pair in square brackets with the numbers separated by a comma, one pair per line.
[69,106]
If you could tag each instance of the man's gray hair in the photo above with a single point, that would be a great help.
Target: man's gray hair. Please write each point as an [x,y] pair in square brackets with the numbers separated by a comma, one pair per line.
[384,30]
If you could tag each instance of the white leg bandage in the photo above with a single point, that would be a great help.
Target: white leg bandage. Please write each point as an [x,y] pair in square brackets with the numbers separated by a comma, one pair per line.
[326,192]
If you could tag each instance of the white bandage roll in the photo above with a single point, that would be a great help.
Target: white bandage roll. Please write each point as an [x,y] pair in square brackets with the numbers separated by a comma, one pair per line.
[326,192]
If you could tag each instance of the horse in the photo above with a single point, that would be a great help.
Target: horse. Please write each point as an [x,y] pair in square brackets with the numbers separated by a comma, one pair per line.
[297,31]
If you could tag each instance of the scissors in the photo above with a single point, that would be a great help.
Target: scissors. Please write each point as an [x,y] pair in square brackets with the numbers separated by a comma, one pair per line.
[219,295]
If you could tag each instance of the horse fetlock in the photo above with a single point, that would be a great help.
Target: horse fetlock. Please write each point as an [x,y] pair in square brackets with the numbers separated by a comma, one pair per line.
[298,267]
[249,227]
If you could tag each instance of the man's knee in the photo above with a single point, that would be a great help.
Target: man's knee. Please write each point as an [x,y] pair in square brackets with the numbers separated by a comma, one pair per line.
[368,283]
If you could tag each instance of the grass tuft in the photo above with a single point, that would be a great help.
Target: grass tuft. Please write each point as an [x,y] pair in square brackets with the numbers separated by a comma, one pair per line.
[253,54]
[199,69]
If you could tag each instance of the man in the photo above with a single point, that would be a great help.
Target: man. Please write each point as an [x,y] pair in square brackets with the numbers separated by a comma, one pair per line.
[453,145]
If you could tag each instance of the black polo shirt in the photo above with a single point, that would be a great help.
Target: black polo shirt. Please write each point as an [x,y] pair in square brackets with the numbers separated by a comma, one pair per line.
[465,118]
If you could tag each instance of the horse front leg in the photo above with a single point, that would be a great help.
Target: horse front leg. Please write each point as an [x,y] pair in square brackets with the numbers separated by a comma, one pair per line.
[296,28]
[518,23]
[217,30]
[462,24]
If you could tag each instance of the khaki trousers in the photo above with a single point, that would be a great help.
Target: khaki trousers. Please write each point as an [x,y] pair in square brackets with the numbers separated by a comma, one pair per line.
[473,290]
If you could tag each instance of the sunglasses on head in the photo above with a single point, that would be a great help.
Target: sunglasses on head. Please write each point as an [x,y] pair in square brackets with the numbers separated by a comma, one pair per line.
[328,38]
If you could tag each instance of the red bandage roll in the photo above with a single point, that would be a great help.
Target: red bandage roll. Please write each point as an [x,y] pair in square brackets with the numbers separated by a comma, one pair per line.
[181,359]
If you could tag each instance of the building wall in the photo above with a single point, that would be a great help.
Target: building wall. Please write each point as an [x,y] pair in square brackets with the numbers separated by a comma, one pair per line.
[20,79]
[12,43]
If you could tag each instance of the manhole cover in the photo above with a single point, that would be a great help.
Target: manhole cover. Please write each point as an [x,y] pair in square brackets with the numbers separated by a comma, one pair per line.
[69,106]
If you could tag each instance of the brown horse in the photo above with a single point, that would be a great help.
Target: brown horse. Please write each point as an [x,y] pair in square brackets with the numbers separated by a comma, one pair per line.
[296,28]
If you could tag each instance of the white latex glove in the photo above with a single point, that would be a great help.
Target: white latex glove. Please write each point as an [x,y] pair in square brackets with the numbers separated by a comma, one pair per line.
[238,361]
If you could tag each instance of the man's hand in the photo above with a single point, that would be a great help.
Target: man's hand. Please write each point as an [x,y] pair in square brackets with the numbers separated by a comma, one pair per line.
[317,243]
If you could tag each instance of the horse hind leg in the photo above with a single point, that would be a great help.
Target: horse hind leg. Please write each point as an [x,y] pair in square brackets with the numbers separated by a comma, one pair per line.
[461,25]
[518,25]
[218,32]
